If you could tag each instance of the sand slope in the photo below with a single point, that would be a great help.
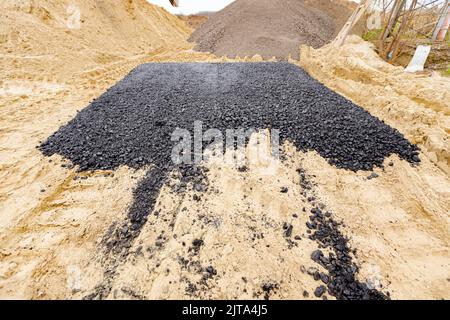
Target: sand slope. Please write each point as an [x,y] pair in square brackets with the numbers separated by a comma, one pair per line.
[63,37]
[406,209]
[419,106]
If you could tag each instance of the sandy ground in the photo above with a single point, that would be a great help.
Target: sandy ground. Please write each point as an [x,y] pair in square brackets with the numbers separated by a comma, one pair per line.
[417,105]
[53,218]
[407,208]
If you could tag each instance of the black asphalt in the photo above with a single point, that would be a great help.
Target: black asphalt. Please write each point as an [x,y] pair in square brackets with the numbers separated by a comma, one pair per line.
[132,122]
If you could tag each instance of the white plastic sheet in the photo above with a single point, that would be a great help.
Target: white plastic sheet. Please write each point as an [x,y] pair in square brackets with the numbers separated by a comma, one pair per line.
[418,60]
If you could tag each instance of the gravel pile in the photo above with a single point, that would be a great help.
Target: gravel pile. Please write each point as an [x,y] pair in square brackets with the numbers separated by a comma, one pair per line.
[271,28]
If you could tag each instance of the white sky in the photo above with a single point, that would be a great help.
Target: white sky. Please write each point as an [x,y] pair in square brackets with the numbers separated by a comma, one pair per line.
[195,6]
[192,6]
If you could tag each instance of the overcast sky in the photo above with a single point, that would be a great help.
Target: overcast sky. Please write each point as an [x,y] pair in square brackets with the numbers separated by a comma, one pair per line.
[192,6]
[195,6]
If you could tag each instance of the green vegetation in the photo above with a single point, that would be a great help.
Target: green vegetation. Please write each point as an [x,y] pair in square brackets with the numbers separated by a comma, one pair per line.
[446,73]
[372,35]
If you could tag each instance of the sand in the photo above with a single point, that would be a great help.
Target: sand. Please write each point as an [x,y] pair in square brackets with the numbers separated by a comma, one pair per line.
[48,38]
[52,225]
[409,219]
[417,105]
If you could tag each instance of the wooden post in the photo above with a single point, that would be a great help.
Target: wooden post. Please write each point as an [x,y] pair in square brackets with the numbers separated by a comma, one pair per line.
[354,18]
[394,47]
[393,18]
[443,23]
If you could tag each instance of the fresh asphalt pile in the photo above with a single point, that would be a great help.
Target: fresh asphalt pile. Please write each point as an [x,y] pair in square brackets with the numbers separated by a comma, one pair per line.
[132,123]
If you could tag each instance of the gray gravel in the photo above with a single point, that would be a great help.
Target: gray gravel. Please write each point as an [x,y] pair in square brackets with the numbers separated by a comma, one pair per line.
[270,28]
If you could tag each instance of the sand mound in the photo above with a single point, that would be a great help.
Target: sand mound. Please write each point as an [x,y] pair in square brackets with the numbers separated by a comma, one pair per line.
[416,105]
[62,37]
[272,28]
[194,21]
